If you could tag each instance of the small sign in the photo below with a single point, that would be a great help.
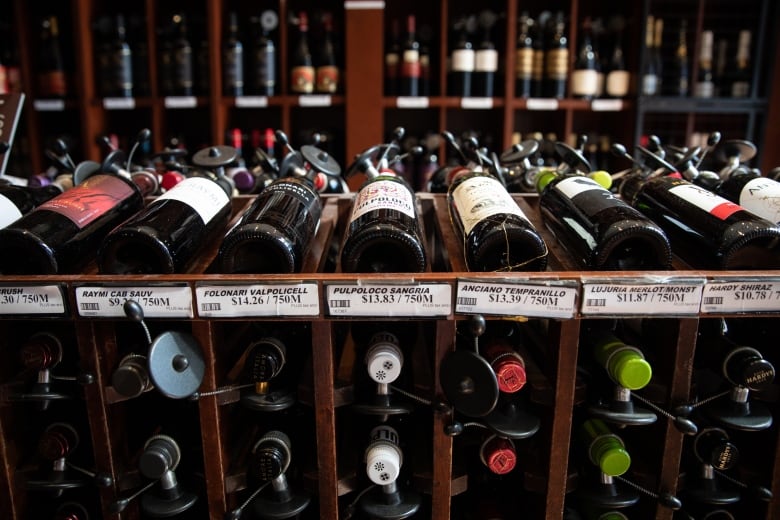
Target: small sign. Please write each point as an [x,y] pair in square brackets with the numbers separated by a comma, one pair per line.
[677,297]
[541,104]
[284,299]
[119,103]
[49,105]
[364,4]
[181,102]
[476,103]
[606,105]
[383,300]
[726,296]
[412,102]
[31,299]
[315,101]
[546,299]
[157,301]
[252,101]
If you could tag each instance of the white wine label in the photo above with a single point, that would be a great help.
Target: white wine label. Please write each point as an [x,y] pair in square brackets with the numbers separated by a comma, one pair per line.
[573,186]
[541,104]
[762,197]
[380,300]
[481,197]
[463,60]
[704,89]
[315,101]
[31,299]
[476,103]
[412,102]
[49,105]
[157,301]
[203,195]
[411,56]
[119,103]
[283,299]
[180,102]
[486,60]
[545,299]
[606,105]
[584,82]
[251,101]
[8,211]
[669,298]
[649,84]
[618,82]
[382,194]
[741,296]
[704,199]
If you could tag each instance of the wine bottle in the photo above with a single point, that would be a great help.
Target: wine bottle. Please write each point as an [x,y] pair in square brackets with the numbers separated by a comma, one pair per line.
[327,67]
[118,65]
[524,58]
[71,511]
[705,229]
[753,192]
[679,77]
[393,60]
[498,454]
[538,76]
[263,58]
[618,78]
[599,230]
[650,74]
[62,234]
[181,59]
[232,60]
[302,73]
[605,449]
[507,363]
[584,77]
[462,62]
[140,54]
[740,84]
[705,86]
[51,68]
[625,364]
[409,77]
[557,60]
[16,201]
[657,56]
[721,78]
[168,234]
[486,58]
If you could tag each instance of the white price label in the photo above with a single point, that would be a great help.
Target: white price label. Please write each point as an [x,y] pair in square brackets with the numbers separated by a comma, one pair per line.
[251,101]
[157,301]
[181,102]
[49,105]
[230,301]
[423,299]
[412,102]
[641,299]
[31,299]
[741,296]
[476,103]
[541,104]
[315,101]
[119,103]
[606,105]
[517,299]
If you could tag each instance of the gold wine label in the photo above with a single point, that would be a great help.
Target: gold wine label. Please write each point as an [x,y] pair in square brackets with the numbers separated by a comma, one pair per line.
[557,63]
[302,80]
[524,63]
[538,65]
[327,79]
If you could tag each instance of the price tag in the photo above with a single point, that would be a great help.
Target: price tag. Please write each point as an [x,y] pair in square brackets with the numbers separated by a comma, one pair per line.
[678,297]
[315,101]
[119,103]
[251,101]
[412,102]
[31,299]
[541,104]
[476,103]
[606,105]
[364,4]
[741,296]
[230,301]
[157,301]
[49,105]
[380,300]
[543,299]
[181,102]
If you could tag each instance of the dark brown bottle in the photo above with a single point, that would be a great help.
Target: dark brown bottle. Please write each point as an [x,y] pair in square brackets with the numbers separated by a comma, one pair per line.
[51,69]
[557,61]
[263,58]
[327,68]
[233,60]
[16,201]
[181,59]
[302,72]
[118,62]
[410,61]
[524,58]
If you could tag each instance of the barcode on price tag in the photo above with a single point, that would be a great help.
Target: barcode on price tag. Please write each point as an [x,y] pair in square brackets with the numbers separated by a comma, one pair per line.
[724,296]
[625,298]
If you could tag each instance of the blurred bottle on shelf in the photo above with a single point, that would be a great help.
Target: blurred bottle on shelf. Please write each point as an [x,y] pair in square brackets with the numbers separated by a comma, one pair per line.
[462,59]
[136,36]
[409,76]
[679,76]
[651,75]
[584,77]
[180,59]
[740,81]
[524,57]
[116,62]
[327,73]
[232,59]
[393,60]
[618,79]
[557,60]
[705,85]
[486,58]
[52,80]
[262,58]
[302,72]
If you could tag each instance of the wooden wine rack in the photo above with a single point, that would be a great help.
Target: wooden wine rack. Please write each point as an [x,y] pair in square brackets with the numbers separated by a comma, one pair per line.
[95,345]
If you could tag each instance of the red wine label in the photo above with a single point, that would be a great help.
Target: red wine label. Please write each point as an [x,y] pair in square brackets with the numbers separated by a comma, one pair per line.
[327,79]
[617,83]
[90,200]
[204,196]
[481,197]
[8,211]
[381,194]
[463,60]
[703,199]
[302,80]
[557,63]
[584,82]
[762,197]
[410,67]
[486,60]
[524,63]
[52,83]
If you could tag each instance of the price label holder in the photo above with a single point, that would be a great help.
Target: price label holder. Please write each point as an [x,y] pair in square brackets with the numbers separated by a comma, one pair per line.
[606,105]
[412,102]
[158,301]
[49,105]
[269,299]
[408,299]
[645,296]
[32,300]
[119,103]
[735,295]
[181,102]
[533,298]
[541,104]
[315,100]
[251,101]
[476,103]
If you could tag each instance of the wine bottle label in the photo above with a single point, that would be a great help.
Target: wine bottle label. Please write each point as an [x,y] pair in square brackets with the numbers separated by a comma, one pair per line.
[391,64]
[327,78]
[481,197]
[617,83]
[234,69]
[538,65]
[740,89]
[182,63]
[524,63]
[463,60]
[52,83]
[762,196]
[410,68]
[302,79]
[89,200]
[649,84]
[8,211]
[597,199]
[584,82]
[486,60]
[204,196]
[704,199]
[705,89]
[557,64]
[382,194]
[265,74]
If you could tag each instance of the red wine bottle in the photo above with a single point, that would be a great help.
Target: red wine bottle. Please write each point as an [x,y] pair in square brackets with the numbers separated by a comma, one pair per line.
[181,59]
[263,58]
[233,60]
[51,68]
[327,67]
[16,201]
[584,77]
[524,58]
[705,230]
[410,61]
[62,234]
[302,72]
[462,62]
[117,63]
[167,235]
[486,59]
[557,60]
[600,231]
